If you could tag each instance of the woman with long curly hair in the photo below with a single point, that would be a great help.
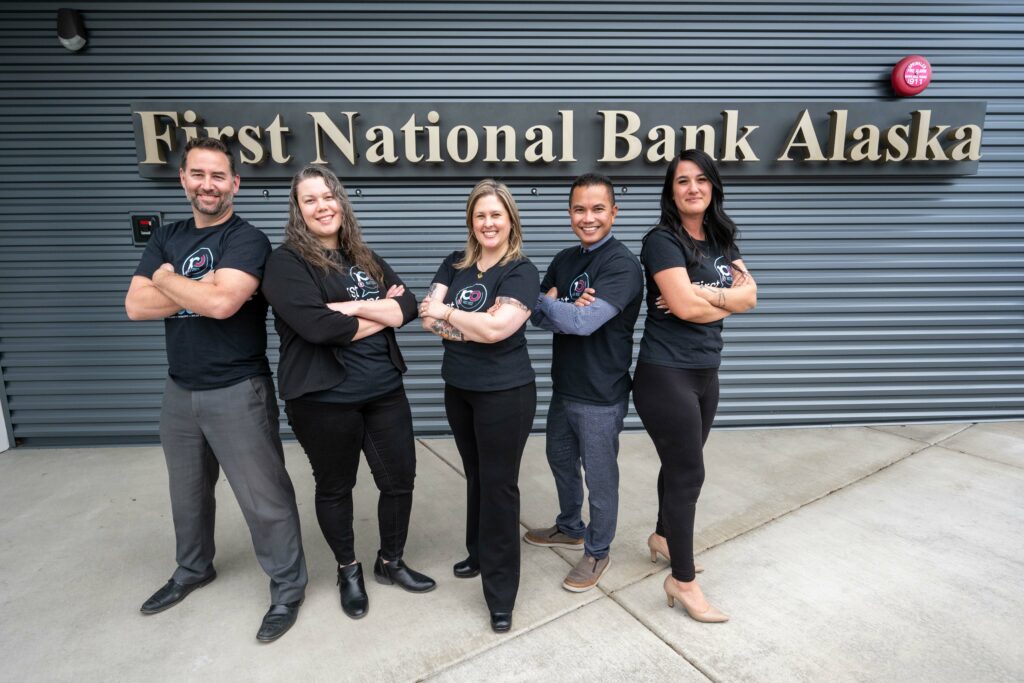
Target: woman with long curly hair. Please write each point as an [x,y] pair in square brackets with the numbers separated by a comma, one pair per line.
[336,306]
[478,304]
[695,279]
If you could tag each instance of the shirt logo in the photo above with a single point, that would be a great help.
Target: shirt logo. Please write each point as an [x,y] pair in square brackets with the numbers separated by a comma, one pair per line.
[198,264]
[578,286]
[364,287]
[724,272]
[471,298]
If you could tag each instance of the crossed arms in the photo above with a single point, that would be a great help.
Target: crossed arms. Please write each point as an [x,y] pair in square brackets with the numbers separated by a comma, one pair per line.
[498,322]
[219,294]
[697,303]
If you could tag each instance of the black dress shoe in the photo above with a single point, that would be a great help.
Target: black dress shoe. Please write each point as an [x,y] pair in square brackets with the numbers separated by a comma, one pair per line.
[354,600]
[466,569]
[171,594]
[277,621]
[501,622]
[396,572]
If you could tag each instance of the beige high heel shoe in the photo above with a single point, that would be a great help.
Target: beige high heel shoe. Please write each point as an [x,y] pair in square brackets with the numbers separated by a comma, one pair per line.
[659,546]
[709,616]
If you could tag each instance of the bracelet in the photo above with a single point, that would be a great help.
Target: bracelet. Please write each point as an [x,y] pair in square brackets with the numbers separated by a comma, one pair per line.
[448,315]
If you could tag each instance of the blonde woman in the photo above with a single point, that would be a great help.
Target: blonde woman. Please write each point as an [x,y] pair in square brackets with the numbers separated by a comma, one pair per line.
[478,304]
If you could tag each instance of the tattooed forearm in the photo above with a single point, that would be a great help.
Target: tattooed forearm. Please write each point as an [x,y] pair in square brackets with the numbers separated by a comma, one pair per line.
[433,289]
[716,295]
[512,302]
[446,330]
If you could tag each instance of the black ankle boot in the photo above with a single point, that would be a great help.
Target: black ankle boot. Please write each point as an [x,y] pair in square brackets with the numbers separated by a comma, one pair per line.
[466,569]
[501,622]
[396,572]
[354,600]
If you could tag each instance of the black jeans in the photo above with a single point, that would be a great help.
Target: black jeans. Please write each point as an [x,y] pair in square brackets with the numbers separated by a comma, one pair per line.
[332,434]
[490,430]
[677,407]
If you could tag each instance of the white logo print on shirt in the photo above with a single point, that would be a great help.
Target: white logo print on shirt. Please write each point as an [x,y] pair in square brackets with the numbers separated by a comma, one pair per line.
[579,285]
[365,287]
[471,298]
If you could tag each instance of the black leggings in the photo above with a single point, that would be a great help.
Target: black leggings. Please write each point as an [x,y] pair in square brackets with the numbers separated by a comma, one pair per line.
[490,430]
[332,434]
[677,407]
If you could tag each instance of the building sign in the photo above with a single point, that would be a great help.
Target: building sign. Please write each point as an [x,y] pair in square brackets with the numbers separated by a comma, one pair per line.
[384,140]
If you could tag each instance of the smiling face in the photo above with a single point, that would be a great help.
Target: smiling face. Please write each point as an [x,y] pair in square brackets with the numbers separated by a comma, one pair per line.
[691,190]
[592,212]
[321,210]
[209,185]
[491,224]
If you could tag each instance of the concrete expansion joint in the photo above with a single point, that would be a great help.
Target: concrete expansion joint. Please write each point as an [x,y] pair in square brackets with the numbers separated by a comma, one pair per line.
[438,456]
[924,446]
[505,639]
[982,457]
[639,619]
[879,428]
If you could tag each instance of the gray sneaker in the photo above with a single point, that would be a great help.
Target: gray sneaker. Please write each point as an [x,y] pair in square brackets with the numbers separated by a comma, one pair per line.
[585,575]
[551,537]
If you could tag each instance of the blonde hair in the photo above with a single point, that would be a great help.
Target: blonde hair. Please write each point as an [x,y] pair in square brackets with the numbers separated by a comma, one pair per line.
[490,187]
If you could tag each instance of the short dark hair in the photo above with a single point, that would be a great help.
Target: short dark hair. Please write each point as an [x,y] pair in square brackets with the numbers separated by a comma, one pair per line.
[214,144]
[591,179]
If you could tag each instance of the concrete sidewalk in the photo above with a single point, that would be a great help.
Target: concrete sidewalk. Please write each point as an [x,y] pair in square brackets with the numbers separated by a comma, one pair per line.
[859,553]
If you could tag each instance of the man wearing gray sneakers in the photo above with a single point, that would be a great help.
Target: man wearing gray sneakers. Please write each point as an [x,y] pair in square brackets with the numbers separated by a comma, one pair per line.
[591,296]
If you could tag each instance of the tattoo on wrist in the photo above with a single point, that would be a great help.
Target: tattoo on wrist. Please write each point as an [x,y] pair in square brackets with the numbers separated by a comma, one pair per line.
[511,302]
[446,330]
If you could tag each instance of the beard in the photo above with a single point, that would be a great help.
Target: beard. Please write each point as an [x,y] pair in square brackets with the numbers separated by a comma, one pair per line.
[223,203]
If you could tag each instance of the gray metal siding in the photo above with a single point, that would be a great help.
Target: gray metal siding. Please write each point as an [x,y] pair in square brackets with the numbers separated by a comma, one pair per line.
[879,301]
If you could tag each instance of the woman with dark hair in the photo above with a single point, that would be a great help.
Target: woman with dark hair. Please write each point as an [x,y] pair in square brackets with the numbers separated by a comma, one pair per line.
[695,279]
[479,304]
[336,306]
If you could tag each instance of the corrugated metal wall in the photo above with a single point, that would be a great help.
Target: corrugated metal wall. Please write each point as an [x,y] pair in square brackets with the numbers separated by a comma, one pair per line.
[880,301]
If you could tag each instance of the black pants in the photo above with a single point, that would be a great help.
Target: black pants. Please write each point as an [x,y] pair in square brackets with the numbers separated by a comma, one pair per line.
[490,429]
[332,434]
[677,407]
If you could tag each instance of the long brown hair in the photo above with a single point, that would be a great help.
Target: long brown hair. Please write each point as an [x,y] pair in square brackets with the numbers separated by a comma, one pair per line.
[350,238]
[485,187]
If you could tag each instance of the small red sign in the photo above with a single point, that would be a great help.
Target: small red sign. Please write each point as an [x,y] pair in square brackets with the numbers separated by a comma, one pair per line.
[911,75]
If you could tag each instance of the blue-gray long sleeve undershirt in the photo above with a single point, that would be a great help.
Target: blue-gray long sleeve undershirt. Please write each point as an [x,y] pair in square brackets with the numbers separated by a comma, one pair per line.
[568,318]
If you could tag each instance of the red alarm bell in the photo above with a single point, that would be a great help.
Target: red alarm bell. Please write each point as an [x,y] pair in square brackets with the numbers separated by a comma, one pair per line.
[911,75]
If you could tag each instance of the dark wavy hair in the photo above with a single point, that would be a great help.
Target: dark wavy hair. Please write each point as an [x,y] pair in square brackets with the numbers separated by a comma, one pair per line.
[299,239]
[719,229]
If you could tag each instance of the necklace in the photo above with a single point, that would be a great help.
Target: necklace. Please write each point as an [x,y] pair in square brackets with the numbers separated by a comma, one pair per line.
[480,271]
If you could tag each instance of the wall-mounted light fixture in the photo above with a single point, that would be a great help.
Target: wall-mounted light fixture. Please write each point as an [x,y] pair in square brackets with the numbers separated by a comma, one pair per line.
[71,29]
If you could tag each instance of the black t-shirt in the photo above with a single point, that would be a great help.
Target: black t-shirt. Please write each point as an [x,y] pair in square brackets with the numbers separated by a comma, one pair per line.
[205,353]
[668,340]
[595,369]
[488,367]
[369,370]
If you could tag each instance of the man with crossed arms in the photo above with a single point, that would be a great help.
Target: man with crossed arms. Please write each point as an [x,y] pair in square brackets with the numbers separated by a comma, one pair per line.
[590,298]
[201,277]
